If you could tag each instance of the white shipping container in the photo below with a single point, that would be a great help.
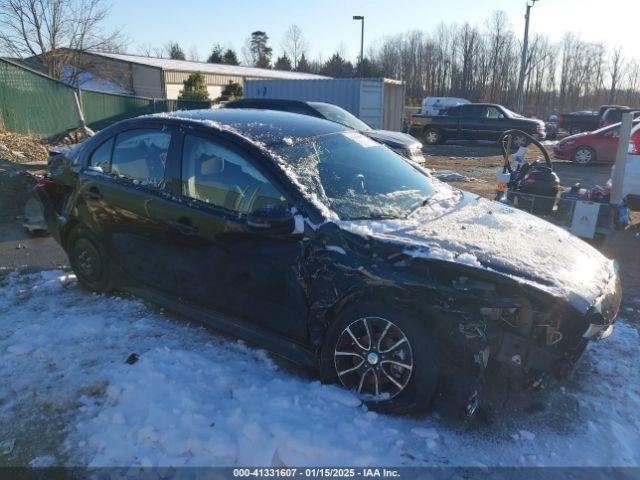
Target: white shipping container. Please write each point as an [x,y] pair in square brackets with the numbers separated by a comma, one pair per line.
[378,102]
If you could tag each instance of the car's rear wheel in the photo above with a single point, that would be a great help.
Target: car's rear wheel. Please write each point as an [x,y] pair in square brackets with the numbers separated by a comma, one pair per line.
[432,136]
[575,130]
[88,260]
[584,155]
[385,357]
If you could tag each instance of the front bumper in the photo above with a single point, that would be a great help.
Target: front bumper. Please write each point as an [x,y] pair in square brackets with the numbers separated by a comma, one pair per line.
[560,349]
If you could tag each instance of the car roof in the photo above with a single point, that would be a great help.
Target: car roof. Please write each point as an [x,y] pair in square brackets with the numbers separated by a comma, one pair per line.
[266,126]
[263,101]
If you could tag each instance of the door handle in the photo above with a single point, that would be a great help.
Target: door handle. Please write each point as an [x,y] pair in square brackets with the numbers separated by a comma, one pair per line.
[183,226]
[94,193]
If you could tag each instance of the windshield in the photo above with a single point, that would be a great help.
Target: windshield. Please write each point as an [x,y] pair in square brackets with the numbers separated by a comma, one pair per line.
[356,177]
[341,116]
[512,114]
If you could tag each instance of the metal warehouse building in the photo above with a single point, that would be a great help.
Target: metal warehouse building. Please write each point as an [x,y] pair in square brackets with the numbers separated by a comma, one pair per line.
[163,78]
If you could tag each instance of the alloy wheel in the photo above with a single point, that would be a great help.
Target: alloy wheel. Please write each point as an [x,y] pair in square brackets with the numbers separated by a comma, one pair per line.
[373,358]
[432,137]
[519,141]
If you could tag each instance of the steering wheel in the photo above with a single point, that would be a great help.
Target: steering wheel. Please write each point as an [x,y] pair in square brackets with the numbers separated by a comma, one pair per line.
[505,146]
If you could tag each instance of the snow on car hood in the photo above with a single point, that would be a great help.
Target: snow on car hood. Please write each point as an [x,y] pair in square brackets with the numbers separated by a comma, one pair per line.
[467,229]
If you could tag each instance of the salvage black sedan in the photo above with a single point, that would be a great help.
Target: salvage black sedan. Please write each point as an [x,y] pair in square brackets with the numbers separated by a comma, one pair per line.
[312,240]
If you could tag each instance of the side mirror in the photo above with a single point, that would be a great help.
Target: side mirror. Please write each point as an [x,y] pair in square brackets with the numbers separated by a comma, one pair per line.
[272,219]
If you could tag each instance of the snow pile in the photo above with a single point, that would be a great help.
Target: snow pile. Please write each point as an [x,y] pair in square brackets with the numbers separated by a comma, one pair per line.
[196,398]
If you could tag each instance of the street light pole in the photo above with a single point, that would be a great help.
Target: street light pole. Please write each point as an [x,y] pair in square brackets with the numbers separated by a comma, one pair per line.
[361,18]
[523,63]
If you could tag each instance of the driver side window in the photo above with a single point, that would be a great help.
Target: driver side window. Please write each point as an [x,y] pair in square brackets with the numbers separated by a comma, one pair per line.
[218,175]
[493,113]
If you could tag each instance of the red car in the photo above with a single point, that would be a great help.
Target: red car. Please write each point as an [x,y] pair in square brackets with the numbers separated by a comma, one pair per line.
[598,146]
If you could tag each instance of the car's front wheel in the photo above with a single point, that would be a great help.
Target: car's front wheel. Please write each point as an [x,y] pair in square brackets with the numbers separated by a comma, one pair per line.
[384,356]
[88,260]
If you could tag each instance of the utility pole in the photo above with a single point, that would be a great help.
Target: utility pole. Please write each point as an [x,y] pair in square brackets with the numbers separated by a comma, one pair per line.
[361,18]
[523,64]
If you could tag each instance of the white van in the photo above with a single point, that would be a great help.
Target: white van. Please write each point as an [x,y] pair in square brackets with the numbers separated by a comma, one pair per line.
[435,105]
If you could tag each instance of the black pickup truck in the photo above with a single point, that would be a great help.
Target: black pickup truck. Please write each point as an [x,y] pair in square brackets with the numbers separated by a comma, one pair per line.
[585,121]
[474,121]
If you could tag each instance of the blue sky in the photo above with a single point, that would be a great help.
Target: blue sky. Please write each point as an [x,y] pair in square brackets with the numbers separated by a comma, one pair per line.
[328,25]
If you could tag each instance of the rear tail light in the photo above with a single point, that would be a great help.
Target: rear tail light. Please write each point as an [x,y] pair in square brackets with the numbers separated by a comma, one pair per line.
[411,120]
[560,120]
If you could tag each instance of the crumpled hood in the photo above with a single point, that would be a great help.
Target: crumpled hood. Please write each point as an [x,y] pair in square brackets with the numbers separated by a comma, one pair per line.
[393,139]
[467,229]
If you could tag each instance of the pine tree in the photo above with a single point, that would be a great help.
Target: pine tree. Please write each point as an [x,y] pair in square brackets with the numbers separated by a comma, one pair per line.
[194,88]
[216,55]
[230,57]
[337,66]
[231,91]
[303,64]
[176,52]
[260,51]
[283,63]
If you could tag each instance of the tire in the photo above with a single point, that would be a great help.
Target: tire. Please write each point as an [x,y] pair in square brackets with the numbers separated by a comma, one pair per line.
[89,260]
[404,372]
[432,136]
[519,141]
[584,155]
[575,130]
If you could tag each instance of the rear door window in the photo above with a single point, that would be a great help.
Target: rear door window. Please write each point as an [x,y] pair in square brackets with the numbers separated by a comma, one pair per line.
[216,174]
[141,155]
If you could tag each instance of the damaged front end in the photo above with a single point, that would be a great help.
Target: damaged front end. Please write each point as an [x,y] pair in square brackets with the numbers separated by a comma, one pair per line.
[489,327]
[494,327]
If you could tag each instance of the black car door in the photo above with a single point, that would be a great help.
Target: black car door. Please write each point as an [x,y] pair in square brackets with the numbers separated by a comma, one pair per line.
[218,261]
[120,187]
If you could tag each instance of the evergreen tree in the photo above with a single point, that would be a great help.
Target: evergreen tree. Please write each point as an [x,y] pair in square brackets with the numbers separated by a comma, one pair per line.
[176,52]
[282,63]
[231,91]
[260,51]
[216,55]
[194,88]
[367,68]
[303,64]
[230,57]
[337,66]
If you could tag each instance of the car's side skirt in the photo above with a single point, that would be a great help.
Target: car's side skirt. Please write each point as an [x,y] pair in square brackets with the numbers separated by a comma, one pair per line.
[244,330]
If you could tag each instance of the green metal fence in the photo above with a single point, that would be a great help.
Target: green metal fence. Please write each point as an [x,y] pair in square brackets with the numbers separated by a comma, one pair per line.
[31,102]
[34,103]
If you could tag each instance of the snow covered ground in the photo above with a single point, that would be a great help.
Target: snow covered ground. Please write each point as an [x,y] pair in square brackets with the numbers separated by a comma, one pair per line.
[197,398]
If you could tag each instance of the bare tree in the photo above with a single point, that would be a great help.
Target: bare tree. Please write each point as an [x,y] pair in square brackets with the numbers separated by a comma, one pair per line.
[294,44]
[616,71]
[57,32]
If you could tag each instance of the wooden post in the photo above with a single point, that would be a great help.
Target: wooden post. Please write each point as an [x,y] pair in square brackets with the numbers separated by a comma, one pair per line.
[621,159]
[78,109]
